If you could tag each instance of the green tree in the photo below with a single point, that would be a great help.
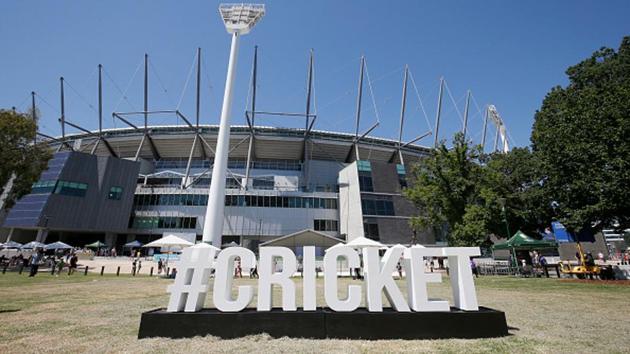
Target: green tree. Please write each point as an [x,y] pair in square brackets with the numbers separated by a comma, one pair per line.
[21,160]
[515,180]
[473,195]
[446,188]
[581,136]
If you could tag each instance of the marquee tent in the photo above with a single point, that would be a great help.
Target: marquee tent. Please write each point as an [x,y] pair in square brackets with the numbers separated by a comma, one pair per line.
[58,246]
[97,244]
[521,241]
[33,245]
[12,244]
[363,242]
[133,244]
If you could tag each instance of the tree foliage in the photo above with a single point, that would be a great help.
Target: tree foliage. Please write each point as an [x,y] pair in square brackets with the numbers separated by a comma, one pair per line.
[20,158]
[475,195]
[446,188]
[581,136]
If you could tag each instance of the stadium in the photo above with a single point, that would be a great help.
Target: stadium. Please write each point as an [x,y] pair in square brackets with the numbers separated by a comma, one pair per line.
[311,186]
[284,186]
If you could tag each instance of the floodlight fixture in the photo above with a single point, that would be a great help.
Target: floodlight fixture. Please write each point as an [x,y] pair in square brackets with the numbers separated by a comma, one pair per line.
[241,18]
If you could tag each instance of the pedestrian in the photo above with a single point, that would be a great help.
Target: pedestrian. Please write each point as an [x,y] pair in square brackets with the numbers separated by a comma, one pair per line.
[73,263]
[59,265]
[473,266]
[238,271]
[35,261]
[133,267]
[160,265]
[399,269]
[600,257]
[253,273]
[139,265]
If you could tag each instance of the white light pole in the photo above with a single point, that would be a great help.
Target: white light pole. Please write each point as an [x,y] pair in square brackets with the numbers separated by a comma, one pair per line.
[239,19]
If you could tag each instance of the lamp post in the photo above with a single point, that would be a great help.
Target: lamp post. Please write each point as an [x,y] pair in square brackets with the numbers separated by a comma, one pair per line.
[239,19]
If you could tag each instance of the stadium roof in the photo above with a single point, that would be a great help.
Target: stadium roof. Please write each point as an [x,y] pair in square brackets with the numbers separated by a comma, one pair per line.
[175,141]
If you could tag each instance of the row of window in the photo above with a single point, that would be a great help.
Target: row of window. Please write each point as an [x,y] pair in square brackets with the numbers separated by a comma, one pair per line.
[286,165]
[75,189]
[280,202]
[365,176]
[325,225]
[162,222]
[376,206]
[141,200]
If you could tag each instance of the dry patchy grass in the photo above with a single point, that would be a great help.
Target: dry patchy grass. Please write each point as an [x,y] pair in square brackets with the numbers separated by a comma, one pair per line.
[102,314]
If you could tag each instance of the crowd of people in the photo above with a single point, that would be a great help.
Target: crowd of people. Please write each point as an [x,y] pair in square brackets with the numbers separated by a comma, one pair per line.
[56,262]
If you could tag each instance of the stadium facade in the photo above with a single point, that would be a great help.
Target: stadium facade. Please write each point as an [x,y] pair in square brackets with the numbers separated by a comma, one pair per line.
[120,185]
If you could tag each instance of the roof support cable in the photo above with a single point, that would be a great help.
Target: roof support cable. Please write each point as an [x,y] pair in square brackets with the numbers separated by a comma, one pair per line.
[181,97]
[459,114]
[124,93]
[417,92]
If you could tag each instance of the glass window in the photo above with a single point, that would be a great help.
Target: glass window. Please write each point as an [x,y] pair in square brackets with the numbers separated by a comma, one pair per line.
[43,187]
[370,228]
[363,165]
[365,181]
[115,193]
[75,189]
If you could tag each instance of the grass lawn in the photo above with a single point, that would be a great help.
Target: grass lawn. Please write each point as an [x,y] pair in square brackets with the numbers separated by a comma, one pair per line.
[102,314]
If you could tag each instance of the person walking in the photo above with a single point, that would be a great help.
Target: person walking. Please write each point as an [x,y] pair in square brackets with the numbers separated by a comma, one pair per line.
[399,269]
[253,273]
[35,261]
[473,266]
[160,265]
[73,264]
[133,267]
[59,265]
[238,271]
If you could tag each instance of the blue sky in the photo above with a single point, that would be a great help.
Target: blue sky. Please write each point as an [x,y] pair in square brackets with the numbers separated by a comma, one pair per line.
[508,53]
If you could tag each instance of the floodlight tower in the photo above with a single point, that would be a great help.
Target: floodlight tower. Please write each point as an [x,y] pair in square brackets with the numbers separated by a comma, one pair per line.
[239,19]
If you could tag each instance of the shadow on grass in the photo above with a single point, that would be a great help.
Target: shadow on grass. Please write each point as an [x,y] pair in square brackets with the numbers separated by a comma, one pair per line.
[9,310]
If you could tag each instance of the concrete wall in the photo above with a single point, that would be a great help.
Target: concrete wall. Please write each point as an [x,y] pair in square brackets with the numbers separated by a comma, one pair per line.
[350,213]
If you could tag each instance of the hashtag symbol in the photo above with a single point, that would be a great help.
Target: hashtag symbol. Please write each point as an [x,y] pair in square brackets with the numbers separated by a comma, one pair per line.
[188,292]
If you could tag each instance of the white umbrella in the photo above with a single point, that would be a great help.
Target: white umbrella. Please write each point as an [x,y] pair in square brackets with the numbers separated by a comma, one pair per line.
[169,242]
[228,245]
[58,246]
[340,244]
[363,242]
[12,244]
[32,245]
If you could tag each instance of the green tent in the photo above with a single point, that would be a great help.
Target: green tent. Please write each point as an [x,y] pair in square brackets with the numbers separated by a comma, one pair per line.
[521,241]
[97,244]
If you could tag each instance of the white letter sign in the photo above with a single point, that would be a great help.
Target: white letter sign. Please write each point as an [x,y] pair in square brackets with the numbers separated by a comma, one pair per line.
[224,274]
[379,278]
[353,300]
[269,277]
